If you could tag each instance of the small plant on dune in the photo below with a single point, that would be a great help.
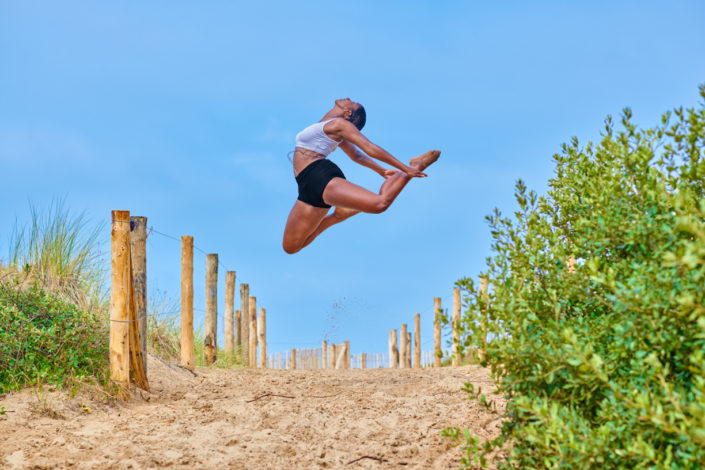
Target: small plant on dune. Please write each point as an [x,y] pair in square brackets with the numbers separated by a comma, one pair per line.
[595,311]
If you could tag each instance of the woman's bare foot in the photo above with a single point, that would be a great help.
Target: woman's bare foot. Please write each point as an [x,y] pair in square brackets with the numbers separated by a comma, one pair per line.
[424,161]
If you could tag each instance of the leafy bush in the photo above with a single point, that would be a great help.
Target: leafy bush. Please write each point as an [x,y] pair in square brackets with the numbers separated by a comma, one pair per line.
[596,306]
[45,339]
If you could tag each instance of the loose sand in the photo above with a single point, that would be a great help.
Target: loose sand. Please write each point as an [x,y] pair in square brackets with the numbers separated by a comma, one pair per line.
[252,419]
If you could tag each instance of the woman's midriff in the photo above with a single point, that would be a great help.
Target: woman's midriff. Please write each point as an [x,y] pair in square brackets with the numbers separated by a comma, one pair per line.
[303,158]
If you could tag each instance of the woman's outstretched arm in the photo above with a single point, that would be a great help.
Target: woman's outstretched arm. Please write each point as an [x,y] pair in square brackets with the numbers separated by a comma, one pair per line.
[345,130]
[359,157]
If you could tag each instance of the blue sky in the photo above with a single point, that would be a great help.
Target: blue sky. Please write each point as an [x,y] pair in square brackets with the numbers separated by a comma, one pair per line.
[184,112]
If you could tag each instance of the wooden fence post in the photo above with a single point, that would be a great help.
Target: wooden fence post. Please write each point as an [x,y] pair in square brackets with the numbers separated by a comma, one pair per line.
[187,353]
[417,340]
[393,350]
[347,355]
[210,345]
[262,333]
[138,250]
[456,327]
[245,322]
[293,359]
[238,331]
[484,326]
[229,332]
[437,332]
[408,350]
[324,355]
[363,361]
[120,298]
[253,332]
[402,346]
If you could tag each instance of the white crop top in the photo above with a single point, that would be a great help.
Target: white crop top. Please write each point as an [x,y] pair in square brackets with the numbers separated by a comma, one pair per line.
[314,138]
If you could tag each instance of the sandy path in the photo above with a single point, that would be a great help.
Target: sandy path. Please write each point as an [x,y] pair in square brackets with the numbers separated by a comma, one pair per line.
[324,419]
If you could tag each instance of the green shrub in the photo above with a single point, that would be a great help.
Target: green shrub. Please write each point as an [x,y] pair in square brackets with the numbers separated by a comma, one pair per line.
[595,312]
[45,339]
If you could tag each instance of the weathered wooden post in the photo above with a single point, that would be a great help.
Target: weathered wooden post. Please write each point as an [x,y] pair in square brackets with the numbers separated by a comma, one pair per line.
[347,355]
[120,298]
[293,359]
[334,353]
[393,350]
[363,361]
[324,355]
[437,332]
[229,332]
[211,324]
[417,341]
[187,353]
[408,350]
[402,346]
[238,331]
[262,333]
[485,298]
[245,322]
[138,250]
[253,332]
[456,327]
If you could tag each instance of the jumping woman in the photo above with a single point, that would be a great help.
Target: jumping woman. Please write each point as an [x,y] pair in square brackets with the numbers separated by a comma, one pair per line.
[322,184]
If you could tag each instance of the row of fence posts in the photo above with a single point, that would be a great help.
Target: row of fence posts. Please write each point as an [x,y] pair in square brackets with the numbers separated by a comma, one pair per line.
[312,359]
[244,329]
[400,346]
[128,307]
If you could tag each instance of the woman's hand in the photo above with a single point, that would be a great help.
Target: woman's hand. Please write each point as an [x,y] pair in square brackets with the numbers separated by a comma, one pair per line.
[389,172]
[414,173]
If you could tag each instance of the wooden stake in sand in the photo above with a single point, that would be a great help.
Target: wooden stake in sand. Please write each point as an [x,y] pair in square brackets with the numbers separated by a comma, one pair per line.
[437,332]
[363,361]
[137,372]
[253,332]
[138,250]
[408,350]
[245,322]
[417,341]
[347,355]
[324,355]
[211,332]
[456,327]
[238,331]
[402,346]
[229,329]
[483,293]
[262,334]
[119,298]
[293,359]
[393,350]
[187,302]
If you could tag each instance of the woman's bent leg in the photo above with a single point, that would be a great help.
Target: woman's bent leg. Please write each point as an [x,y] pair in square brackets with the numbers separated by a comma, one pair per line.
[303,221]
[342,193]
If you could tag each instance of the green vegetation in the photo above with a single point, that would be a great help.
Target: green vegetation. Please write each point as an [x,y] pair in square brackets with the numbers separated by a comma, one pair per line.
[596,309]
[59,251]
[53,318]
[46,339]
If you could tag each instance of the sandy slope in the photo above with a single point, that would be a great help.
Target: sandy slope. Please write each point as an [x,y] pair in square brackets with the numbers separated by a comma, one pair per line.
[311,419]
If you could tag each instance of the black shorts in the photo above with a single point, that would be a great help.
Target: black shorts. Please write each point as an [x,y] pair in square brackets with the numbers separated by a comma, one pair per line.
[314,179]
